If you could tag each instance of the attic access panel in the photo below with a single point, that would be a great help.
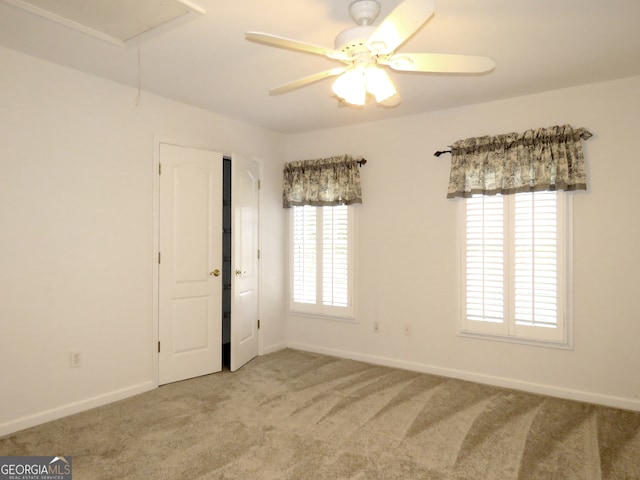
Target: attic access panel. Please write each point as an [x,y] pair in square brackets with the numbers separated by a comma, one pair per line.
[116,21]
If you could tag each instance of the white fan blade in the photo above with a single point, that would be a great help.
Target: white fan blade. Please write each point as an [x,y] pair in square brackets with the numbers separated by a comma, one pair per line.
[439,63]
[399,25]
[274,40]
[301,82]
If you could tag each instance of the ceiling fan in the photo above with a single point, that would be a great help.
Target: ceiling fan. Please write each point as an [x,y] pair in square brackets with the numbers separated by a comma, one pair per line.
[365,47]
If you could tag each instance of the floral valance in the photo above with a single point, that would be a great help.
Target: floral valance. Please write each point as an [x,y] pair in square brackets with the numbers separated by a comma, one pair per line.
[327,181]
[542,159]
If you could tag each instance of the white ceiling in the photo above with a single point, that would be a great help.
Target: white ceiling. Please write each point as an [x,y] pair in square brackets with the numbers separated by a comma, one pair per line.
[538,45]
[115,21]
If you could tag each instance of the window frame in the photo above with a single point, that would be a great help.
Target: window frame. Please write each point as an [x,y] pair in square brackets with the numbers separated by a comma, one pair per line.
[508,330]
[318,309]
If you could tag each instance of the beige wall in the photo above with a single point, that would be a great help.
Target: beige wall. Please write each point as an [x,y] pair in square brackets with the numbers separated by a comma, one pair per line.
[76,208]
[408,256]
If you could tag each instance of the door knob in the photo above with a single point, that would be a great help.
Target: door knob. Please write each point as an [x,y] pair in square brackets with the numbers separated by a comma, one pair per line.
[239,272]
[215,273]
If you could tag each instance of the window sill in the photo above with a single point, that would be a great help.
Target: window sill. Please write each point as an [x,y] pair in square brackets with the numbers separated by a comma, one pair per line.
[320,316]
[560,345]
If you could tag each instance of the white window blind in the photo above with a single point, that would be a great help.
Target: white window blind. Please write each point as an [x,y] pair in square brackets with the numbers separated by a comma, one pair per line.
[514,260]
[321,275]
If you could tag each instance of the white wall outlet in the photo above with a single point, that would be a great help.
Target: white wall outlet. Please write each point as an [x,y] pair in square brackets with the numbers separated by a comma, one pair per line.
[376,326]
[75,358]
[406,329]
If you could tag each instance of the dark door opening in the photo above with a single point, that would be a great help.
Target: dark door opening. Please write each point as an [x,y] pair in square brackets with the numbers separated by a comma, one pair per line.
[226,262]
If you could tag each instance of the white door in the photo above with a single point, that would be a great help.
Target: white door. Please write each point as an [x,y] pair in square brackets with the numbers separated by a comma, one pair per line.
[244,258]
[190,263]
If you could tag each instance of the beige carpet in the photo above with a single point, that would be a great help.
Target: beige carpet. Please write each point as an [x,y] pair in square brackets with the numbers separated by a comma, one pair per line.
[297,415]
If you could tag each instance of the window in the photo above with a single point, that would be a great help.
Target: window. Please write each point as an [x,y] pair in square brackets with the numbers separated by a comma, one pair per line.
[321,261]
[515,267]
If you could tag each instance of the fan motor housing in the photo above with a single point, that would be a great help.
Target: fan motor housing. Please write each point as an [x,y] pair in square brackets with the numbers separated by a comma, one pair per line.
[353,40]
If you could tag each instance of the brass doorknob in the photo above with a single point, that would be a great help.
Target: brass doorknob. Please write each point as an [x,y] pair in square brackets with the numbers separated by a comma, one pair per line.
[215,273]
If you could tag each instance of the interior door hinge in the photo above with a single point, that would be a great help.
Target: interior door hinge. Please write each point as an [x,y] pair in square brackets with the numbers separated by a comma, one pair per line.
[159,169]
[258,324]
[159,259]
[258,184]
[258,254]
[158,347]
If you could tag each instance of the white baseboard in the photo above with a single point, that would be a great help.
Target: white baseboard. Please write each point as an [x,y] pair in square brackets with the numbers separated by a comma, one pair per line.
[550,390]
[569,394]
[75,407]
[273,348]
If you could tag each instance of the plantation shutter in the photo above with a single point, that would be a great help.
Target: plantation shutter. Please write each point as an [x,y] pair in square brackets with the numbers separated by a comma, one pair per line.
[485,254]
[536,259]
[305,259]
[321,260]
[513,258]
[335,258]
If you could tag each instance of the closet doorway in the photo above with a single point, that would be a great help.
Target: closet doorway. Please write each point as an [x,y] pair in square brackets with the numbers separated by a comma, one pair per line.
[207,275]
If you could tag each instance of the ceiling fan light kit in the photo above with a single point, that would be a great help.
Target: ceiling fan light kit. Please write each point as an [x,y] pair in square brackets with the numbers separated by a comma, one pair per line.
[350,87]
[354,85]
[378,83]
[366,48]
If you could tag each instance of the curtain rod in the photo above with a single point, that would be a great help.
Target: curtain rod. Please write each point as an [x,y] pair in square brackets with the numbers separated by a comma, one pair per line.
[362,161]
[440,152]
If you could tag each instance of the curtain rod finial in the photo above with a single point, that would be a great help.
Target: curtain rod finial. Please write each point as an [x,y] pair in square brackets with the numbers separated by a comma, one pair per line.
[440,152]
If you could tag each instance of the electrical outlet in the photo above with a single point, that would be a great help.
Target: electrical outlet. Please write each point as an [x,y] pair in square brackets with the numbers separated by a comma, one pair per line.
[75,358]
[406,329]
[376,326]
